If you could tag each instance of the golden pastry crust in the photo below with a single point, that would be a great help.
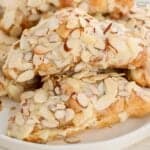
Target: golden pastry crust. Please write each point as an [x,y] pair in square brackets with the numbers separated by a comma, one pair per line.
[141,75]
[69,40]
[121,8]
[98,6]
[68,106]
[136,107]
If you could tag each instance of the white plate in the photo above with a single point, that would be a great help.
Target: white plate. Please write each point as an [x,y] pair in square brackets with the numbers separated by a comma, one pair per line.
[118,137]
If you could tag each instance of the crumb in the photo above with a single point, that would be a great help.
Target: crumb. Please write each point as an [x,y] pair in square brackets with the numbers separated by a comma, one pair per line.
[72,140]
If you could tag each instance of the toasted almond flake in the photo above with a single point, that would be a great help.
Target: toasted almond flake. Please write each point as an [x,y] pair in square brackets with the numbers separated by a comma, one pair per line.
[63,31]
[73,104]
[41,32]
[20,132]
[8,18]
[60,106]
[134,45]
[79,67]
[104,102]
[83,22]
[123,93]
[111,87]
[19,119]
[14,91]
[40,96]
[111,91]
[101,88]
[31,121]
[25,76]
[38,59]
[53,23]
[60,114]
[27,95]
[73,43]
[76,33]
[88,39]
[15,59]
[41,50]
[69,115]
[50,124]
[34,3]
[57,90]
[12,74]
[26,66]
[28,56]
[83,99]
[72,23]
[72,140]
[44,112]
[85,56]
[24,44]
[100,44]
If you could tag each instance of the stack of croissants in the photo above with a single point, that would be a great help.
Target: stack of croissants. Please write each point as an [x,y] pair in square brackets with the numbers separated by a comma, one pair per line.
[73,65]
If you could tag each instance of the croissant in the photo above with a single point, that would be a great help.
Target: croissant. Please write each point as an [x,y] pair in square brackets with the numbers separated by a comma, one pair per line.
[71,41]
[65,106]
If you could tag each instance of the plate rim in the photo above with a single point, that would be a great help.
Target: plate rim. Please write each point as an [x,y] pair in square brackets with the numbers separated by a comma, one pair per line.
[122,141]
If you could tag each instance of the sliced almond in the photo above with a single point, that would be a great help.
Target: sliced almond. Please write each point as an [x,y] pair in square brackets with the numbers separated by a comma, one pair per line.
[60,114]
[88,39]
[60,106]
[27,95]
[134,45]
[76,33]
[14,91]
[73,43]
[40,96]
[111,87]
[72,22]
[83,99]
[25,76]
[72,103]
[69,115]
[53,23]
[8,18]
[101,88]
[12,74]
[110,97]
[72,140]
[63,31]
[41,50]
[19,119]
[85,56]
[50,124]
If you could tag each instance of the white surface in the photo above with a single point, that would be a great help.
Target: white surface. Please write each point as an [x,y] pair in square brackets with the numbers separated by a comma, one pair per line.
[143,145]
[118,137]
